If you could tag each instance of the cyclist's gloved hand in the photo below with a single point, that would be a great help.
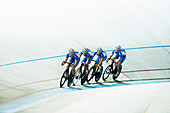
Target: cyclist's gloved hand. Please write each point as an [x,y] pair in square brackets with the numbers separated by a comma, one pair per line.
[63,63]
[107,59]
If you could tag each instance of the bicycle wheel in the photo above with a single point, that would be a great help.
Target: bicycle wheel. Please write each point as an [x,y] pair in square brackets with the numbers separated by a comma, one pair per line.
[90,74]
[84,77]
[77,76]
[63,78]
[98,74]
[70,79]
[108,71]
[115,71]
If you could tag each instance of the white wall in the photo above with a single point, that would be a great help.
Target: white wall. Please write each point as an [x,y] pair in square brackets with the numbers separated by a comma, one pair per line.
[31,29]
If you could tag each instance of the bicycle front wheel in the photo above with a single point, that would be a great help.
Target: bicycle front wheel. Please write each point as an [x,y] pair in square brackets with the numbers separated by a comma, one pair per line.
[63,78]
[108,71]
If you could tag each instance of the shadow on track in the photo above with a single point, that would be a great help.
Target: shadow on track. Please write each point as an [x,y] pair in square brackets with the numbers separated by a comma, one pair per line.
[86,86]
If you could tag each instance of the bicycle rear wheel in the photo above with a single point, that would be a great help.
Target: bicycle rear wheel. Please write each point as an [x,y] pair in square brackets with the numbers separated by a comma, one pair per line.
[77,76]
[108,71]
[90,74]
[115,71]
[63,78]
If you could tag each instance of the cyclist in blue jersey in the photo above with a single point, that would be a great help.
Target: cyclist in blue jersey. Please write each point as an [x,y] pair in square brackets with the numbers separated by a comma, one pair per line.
[74,58]
[88,57]
[102,56]
[120,54]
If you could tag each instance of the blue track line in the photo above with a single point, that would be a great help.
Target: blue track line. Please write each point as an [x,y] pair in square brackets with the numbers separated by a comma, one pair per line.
[31,101]
[45,58]
[32,60]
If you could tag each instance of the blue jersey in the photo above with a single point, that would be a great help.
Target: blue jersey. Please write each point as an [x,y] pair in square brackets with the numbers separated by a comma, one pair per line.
[89,53]
[102,55]
[122,53]
[76,55]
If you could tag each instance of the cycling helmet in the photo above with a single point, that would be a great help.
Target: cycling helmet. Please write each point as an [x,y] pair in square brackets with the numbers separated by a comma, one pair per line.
[71,51]
[99,50]
[118,47]
[84,50]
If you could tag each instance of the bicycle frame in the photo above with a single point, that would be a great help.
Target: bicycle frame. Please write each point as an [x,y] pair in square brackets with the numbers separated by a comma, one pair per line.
[112,70]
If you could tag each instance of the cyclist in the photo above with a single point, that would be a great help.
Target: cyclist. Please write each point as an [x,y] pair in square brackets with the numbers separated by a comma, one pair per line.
[88,57]
[74,58]
[102,56]
[120,54]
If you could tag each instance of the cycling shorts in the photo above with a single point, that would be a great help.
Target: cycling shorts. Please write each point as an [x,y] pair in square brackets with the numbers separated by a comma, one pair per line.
[122,59]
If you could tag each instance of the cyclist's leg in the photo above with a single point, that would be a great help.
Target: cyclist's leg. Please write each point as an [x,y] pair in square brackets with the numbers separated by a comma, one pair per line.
[118,67]
[121,61]
[97,60]
[73,68]
[100,60]
[87,66]
[100,66]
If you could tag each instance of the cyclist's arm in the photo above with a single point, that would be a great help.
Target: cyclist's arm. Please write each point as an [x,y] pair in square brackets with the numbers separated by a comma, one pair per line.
[64,61]
[80,54]
[88,60]
[101,61]
[115,57]
[112,53]
[111,56]
[76,61]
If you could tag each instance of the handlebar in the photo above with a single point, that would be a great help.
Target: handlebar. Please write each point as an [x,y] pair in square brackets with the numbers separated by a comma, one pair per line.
[68,63]
[113,60]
